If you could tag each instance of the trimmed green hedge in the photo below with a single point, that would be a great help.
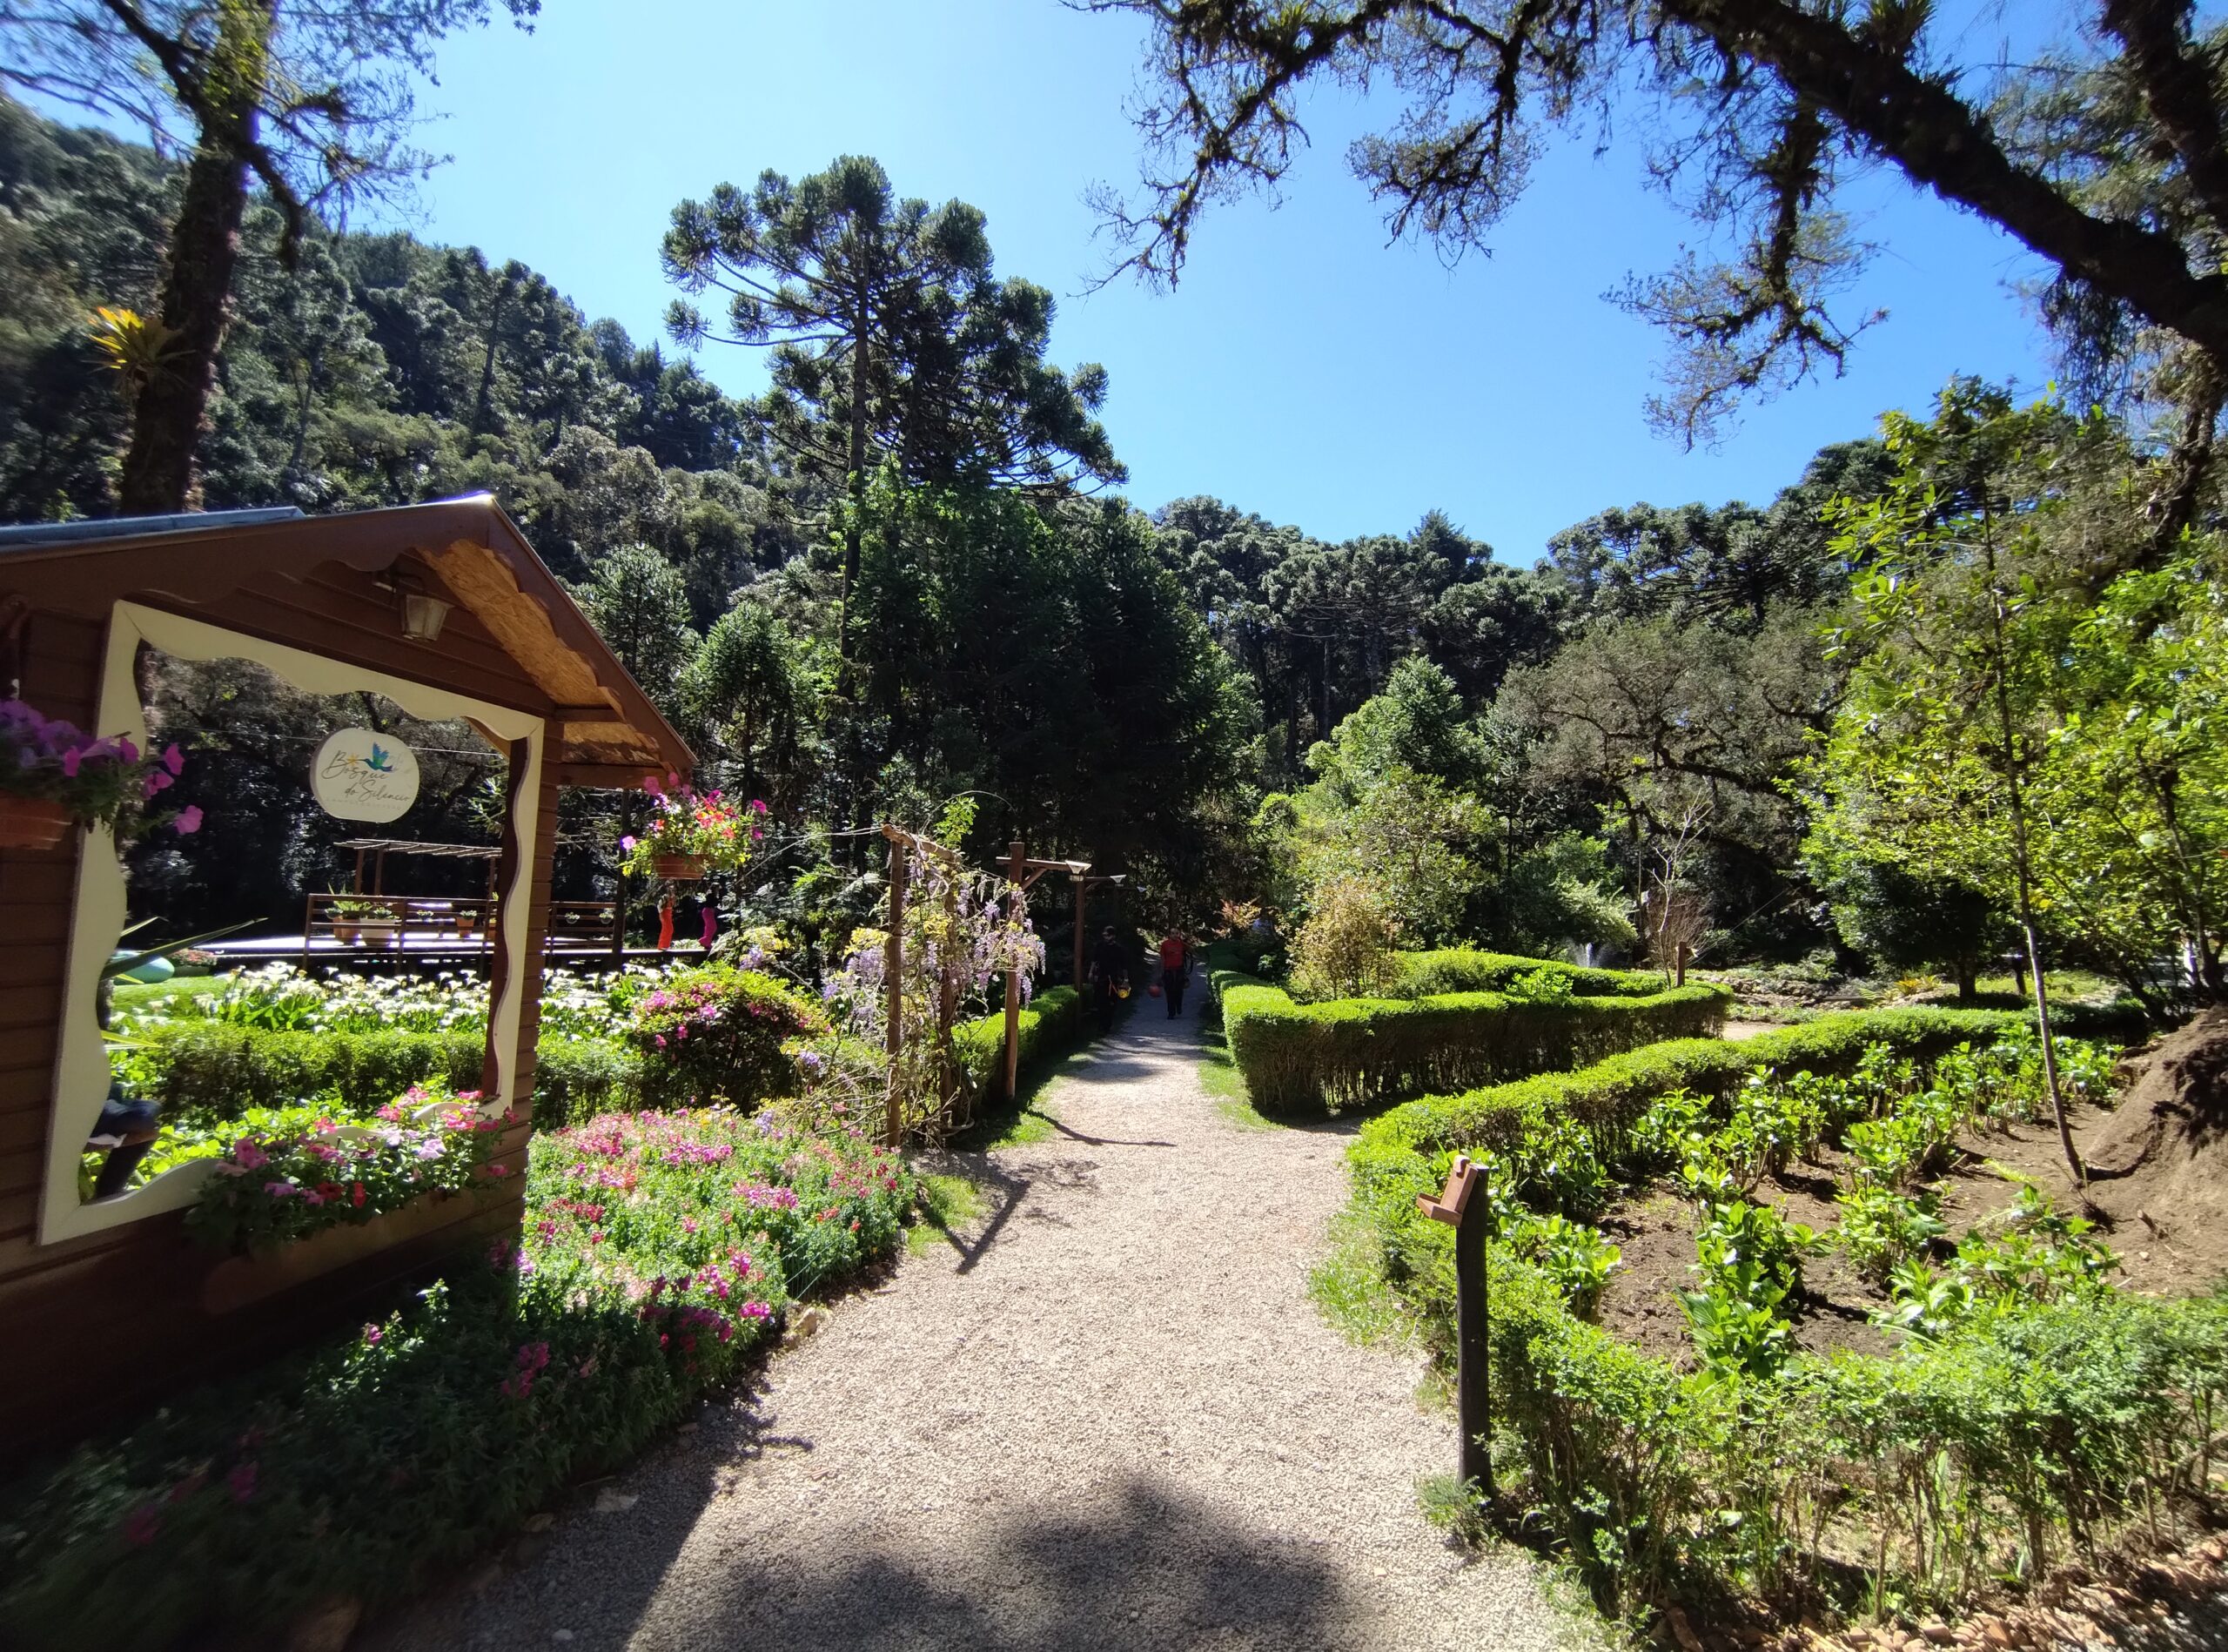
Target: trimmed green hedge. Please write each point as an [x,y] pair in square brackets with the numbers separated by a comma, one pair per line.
[1303,1057]
[2031,1429]
[1423,975]
[2031,1433]
[1052,1022]
[216,1072]
[1608,1096]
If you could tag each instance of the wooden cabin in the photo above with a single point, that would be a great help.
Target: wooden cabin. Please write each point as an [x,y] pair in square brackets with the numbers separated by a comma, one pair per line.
[105,1304]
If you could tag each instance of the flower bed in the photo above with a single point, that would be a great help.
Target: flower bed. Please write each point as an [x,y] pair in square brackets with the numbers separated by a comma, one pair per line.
[660,1250]
[1348,1052]
[272,1186]
[2022,1407]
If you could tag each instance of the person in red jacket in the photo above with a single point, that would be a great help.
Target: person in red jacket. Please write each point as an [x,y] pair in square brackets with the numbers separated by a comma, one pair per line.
[1175,971]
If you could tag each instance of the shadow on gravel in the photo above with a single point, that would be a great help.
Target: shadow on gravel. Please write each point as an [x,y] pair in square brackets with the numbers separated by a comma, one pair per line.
[1147,1569]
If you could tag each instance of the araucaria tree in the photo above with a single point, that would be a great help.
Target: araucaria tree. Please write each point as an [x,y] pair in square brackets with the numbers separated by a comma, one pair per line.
[892,339]
[309,99]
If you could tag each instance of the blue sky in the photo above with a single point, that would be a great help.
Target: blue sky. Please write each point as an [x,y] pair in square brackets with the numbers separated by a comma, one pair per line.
[1304,369]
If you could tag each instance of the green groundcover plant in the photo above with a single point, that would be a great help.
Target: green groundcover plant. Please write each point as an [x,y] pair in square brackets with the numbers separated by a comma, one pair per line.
[658,1250]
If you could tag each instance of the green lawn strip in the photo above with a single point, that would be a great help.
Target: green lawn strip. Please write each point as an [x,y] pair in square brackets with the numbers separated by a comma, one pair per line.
[943,1204]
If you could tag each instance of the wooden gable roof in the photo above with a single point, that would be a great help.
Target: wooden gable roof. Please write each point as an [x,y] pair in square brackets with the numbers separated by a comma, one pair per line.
[334,585]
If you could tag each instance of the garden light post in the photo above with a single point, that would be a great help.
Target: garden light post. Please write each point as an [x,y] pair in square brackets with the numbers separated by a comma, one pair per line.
[1463,1207]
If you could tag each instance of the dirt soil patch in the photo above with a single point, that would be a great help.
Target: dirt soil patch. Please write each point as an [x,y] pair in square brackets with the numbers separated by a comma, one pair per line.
[2158,1193]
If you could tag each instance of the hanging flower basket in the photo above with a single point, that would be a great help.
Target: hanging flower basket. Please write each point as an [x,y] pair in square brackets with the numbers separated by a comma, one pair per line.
[54,776]
[31,823]
[688,834]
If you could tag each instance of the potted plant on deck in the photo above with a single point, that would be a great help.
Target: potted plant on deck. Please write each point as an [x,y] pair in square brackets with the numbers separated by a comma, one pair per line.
[348,912]
[53,775]
[378,922]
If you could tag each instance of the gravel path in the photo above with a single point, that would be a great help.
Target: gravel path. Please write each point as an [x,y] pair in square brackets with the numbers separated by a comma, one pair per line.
[1108,1417]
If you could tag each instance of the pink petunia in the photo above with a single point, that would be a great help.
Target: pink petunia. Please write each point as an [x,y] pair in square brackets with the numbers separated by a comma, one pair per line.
[173,759]
[650,785]
[125,749]
[248,1156]
[71,760]
[280,1190]
[189,820]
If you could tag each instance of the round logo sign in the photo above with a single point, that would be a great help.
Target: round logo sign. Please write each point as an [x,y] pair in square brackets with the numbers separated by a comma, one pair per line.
[361,776]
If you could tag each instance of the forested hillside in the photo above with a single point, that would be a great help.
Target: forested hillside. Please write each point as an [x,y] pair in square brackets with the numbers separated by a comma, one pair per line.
[865,593]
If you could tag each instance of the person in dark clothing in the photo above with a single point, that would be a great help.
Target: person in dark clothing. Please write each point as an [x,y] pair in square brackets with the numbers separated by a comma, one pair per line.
[1110,975]
[1175,971]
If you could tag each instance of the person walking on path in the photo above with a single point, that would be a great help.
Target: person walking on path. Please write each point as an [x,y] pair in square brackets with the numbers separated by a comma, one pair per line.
[1109,973]
[1175,971]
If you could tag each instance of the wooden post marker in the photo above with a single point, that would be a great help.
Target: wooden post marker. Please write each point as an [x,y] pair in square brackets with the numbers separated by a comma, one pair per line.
[1461,1207]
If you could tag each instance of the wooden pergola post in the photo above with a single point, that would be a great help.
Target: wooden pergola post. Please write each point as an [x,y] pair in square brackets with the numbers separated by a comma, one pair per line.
[893,966]
[1016,869]
[1081,885]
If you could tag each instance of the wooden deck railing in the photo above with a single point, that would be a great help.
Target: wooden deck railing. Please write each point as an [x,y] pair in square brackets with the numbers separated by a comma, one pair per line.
[410,922]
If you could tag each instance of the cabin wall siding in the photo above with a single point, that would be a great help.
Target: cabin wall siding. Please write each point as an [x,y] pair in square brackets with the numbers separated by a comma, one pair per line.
[99,1323]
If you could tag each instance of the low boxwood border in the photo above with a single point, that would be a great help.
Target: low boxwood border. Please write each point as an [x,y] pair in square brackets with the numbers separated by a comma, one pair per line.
[1357,1052]
[1051,1023]
[213,1071]
[2037,1428]
[1461,969]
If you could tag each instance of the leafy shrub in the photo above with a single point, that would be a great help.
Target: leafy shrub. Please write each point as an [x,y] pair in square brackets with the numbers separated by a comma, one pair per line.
[1773,1125]
[1424,975]
[211,1071]
[367,1465]
[1359,1052]
[2038,1255]
[576,1078]
[1052,1023]
[716,1033]
[1346,946]
[1880,1229]
[1671,1133]
[1749,1259]
[1576,1257]
[205,1073]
